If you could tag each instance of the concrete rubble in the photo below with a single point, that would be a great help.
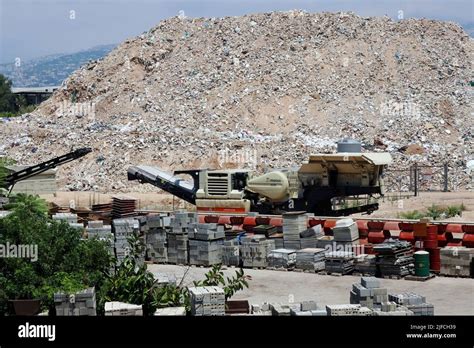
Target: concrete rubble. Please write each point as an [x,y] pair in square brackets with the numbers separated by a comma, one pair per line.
[285,84]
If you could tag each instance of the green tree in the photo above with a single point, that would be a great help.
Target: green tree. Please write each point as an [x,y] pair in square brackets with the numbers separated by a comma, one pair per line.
[7,98]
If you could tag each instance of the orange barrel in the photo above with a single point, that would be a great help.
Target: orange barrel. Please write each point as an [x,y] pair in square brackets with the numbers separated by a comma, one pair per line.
[363,229]
[407,236]
[224,220]
[375,226]
[454,228]
[405,226]
[328,225]
[237,220]
[435,259]
[430,241]
[468,240]
[442,228]
[455,243]
[376,237]
[468,229]
[430,244]
[391,226]
[315,222]
[262,220]
[201,219]
[249,223]
[211,219]
[444,239]
[277,222]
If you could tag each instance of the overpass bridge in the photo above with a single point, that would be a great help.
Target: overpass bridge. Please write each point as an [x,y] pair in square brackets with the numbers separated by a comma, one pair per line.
[35,95]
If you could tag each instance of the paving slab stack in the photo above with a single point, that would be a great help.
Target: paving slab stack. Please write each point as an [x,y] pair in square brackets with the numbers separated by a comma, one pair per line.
[262,310]
[171,311]
[69,218]
[395,257]
[365,264]
[306,308]
[205,244]
[82,303]
[207,300]
[123,229]
[348,309]
[339,262]
[254,250]
[414,302]
[178,248]
[456,261]
[155,237]
[309,237]
[311,259]
[392,309]
[282,258]
[293,224]
[116,308]
[346,232]
[231,253]
[368,293]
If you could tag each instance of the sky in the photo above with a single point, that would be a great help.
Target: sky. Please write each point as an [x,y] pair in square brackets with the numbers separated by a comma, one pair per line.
[35,28]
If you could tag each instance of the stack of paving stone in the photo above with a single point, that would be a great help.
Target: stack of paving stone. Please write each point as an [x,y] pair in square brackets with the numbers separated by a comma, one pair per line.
[156,246]
[368,293]
[267,230]
[97,229]
[115,308]
[178,237]
[309,237]
[231,253]
[293,224]
[306,308]
[339,262]
[123,229]
[311,259]
[365,264]
[163,279]
[324,242]
[281,310]
[392,309]
[69,218]
[255,249]
[395,257]
[345,231]
[171,311]
[205,244]
[348,309]
[207,300]
[282,258]
[414,302]
[263,309]
[78,304]
[456,261]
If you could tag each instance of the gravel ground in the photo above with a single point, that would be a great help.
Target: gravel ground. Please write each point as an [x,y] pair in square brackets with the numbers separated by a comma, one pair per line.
[450,296]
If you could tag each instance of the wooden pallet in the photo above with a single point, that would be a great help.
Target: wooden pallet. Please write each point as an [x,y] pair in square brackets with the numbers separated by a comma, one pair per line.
[392,277]
[419,279]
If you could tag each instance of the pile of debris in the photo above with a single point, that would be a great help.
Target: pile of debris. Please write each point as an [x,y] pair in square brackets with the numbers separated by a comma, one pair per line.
[280,85]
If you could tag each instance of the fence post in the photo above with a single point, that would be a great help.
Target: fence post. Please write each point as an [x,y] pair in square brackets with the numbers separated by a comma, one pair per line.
[415,179]
[446,177]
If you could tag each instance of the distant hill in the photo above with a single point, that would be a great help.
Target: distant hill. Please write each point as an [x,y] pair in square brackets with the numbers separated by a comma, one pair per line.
[51,70]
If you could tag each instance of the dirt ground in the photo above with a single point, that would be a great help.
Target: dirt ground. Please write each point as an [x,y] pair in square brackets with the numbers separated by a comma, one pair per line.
[390,208]
[450,296]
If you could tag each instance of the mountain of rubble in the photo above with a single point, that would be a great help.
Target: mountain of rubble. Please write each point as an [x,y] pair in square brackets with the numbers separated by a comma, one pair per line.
[262,91]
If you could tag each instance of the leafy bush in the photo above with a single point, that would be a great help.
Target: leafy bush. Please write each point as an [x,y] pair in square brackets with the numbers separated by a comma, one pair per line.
[215,277]
[412,215]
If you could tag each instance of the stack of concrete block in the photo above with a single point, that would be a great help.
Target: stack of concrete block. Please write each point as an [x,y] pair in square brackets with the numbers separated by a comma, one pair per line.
[414,302]
[365,264]
[255,249]
[97,229]
[395,257]
[346,230]
[178,248]
[325,242]
[368,293]
[281,310]
[69,218]
[339,262]
[207,300]
[456,261]
[305,308]
[122,309]
[156,244]
[163,279]
[171,311]
[264,309]
[388,310]
[282,258]
[348,309]
[293,224]
[78,304]
[231,253]
[205,244]
[311,259]
[123,229]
